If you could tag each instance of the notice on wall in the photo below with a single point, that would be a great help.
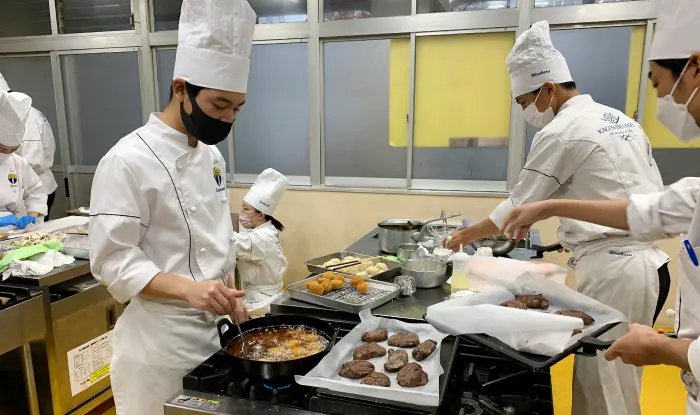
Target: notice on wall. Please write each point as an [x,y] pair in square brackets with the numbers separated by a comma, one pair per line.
[89,362]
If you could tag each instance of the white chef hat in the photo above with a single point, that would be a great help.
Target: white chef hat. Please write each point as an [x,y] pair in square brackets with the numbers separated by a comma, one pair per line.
[14,110]
[266,192]
[677,30]
[534,60]
[215,38]
[4,87]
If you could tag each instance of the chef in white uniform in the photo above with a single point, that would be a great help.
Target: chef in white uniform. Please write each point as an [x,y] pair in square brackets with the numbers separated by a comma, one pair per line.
[261,262]
[161,235]
[38,148]
[675,73]
[589,151]
[22,195]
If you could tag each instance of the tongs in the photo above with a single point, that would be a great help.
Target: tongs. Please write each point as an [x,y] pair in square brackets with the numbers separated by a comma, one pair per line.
[235,318]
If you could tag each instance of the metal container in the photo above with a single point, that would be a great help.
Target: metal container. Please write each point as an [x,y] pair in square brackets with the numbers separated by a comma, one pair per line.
[316,265]
[407,251]
[427,272]
[347,298]
[395,232]
[77,246]
[500,248]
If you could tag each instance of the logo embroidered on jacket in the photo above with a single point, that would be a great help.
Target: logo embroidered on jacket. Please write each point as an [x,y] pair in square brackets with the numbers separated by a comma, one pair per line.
[618,253]
[12,178]
[612,119]
[217,176]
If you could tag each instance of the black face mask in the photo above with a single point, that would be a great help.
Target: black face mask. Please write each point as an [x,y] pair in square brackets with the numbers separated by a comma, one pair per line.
[204,128]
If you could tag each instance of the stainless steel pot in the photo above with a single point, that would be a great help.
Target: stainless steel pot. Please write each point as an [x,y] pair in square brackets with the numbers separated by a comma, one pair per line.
[395,232]
[427,273]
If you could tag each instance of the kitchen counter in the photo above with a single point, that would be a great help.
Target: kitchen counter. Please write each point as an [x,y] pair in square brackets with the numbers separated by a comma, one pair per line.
[409,308]
[57,276]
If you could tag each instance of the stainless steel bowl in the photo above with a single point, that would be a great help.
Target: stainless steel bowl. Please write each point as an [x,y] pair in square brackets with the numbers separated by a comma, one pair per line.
[500,248]
[406,252]
[427,273]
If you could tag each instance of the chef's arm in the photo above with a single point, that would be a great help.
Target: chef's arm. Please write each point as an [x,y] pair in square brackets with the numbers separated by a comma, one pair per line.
[251,246]
[35,197]
[168,286]
[610,213]
[550,164]
[119,217]
[483,229]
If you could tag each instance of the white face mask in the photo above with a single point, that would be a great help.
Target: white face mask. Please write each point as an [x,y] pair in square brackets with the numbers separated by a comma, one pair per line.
[534,117]
[675,116]
[246,221]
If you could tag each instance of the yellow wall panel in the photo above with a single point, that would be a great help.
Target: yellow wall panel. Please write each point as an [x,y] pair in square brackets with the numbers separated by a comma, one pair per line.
[462,89]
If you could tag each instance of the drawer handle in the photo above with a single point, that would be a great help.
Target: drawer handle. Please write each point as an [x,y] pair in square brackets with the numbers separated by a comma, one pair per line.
[111,317]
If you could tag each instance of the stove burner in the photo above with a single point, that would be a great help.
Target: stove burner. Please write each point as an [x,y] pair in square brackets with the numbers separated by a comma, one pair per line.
[470,407]
[278,388]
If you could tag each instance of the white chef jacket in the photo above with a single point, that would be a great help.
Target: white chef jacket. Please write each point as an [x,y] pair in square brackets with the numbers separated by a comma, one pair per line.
[19,185]
[261,264]
[38,148]
[159,205]
[590,152]
[665,215]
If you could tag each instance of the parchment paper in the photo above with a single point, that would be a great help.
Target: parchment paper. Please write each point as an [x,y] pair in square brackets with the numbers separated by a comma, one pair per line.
[532,331]
[325,374]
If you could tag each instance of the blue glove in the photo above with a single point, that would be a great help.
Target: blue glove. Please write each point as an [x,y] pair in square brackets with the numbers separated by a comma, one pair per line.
[26,220]
[9,220]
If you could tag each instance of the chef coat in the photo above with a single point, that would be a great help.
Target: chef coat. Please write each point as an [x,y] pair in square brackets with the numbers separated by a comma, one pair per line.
[21,190]
[665,215]
[38,148]
[593,152]
[589,152]
[159,205]
[261,264]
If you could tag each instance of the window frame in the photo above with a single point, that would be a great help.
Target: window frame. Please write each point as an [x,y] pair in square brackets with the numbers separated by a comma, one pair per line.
[146,41]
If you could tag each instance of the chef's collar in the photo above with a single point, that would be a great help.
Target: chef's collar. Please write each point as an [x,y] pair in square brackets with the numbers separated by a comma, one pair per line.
[167,131]
[577,100]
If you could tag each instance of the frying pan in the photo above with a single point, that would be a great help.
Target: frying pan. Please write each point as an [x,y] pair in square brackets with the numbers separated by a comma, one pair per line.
[276,370]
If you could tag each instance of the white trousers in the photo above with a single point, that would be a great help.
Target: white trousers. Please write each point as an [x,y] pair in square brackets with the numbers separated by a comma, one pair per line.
[625,278]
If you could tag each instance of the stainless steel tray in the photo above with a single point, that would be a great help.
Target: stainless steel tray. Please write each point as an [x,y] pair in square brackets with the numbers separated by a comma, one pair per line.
[316,265]
[76,246]
[347,298]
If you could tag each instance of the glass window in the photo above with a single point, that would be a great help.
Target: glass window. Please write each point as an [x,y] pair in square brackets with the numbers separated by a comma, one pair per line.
[83,16]
[553,3]
[96,121]
[366,96]
[441,6]
[272,129]
[32,75]
[167,12]
[362,9]
[165,64]
[599,60]
[462,107]
[24,18]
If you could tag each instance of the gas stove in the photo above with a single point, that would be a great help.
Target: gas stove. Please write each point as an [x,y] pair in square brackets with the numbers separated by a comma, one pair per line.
[11,295]
[476,382]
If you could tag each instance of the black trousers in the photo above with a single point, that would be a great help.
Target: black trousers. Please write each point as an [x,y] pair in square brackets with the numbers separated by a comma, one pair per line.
[49,202]
[664,287]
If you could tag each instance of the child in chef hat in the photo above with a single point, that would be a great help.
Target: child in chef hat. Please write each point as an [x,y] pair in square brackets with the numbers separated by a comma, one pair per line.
[260,261]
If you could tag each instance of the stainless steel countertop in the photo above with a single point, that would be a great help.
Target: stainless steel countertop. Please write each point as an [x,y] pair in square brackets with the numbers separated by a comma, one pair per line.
[412,307]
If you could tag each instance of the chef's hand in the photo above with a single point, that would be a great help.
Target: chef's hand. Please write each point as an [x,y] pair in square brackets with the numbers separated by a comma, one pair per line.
[639,347]
[240,314]
[9,220]
[520,219]
[213,296]
[26,220]
[456,239]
